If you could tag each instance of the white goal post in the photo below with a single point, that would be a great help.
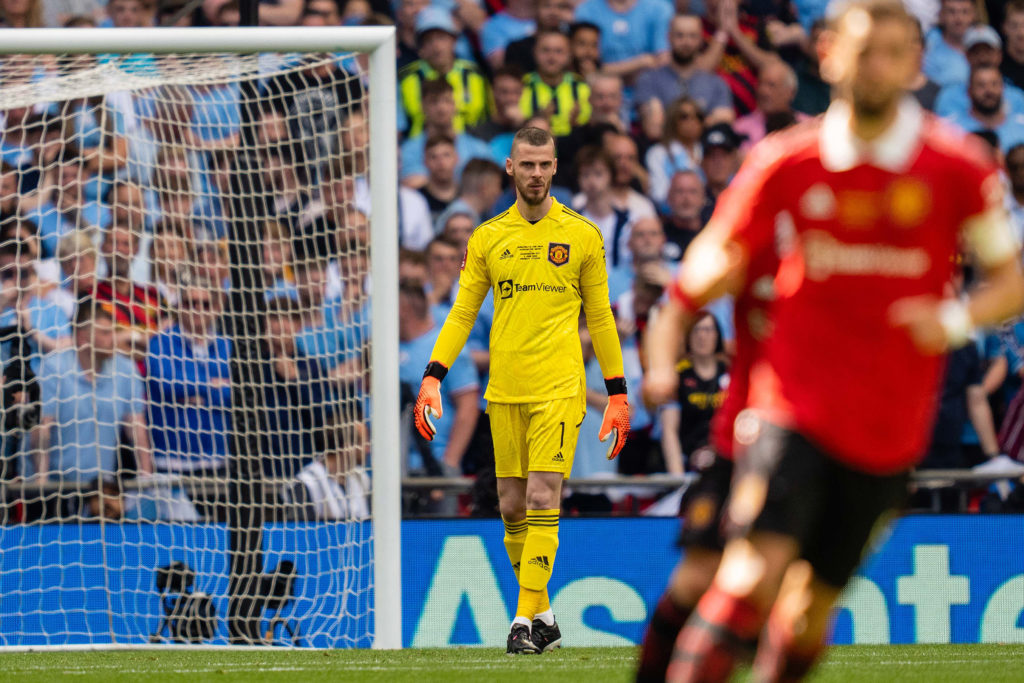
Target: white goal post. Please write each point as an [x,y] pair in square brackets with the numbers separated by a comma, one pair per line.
[379,43]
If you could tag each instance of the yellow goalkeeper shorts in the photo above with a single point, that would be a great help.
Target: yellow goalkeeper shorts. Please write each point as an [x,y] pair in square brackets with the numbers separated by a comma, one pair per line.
[536,437]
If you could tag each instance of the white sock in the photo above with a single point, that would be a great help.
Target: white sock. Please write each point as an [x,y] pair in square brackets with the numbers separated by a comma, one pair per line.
[524,621]
[547,616]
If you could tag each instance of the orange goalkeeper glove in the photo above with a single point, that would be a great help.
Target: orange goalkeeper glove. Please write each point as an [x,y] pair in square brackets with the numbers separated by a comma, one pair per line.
[616,416]
[428,403]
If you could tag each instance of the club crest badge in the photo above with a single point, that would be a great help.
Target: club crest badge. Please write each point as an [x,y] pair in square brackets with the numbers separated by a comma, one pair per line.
[558,254]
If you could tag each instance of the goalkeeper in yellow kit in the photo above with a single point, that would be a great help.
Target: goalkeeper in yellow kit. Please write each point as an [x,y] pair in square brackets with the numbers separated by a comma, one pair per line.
[542,261]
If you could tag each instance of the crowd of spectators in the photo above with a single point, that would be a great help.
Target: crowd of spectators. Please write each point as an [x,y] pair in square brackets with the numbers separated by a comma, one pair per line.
[116,211]
[653,106]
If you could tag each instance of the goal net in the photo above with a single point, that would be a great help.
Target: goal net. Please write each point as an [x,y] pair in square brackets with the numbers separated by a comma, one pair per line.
[185,320]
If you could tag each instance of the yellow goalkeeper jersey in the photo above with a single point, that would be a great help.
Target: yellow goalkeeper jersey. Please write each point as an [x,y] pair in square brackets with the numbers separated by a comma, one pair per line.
[540,273]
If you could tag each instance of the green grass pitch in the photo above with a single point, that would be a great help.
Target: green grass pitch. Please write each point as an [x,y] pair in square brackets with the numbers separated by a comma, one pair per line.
[849,664]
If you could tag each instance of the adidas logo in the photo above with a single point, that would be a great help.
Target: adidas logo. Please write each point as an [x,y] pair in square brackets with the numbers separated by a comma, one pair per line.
[558,457]
[504,255]
[542,562]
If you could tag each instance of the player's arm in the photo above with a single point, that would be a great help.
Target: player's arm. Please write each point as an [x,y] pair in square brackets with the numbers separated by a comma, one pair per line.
[665,338]
[1000,294]
[936,326]
[714,265]
[604,336]
[474,283]
[742,225]
[989,236]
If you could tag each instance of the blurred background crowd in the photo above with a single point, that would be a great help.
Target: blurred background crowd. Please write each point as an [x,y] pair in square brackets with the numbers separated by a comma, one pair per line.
[115,213]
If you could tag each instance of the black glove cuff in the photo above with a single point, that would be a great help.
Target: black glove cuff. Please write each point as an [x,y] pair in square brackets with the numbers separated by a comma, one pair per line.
[615,385]
[436,370]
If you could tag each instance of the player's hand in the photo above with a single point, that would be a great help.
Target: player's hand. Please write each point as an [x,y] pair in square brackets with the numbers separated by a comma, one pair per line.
[428,404]
[615,424]
[921,317]
[660,386]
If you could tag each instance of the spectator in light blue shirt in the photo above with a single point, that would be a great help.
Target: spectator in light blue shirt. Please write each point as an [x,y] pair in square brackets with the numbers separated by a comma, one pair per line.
[944,60]
[334,329]
[646,244]
[633,32]
[459,391]
[983,47]
[516,21]
[63,203]
[89,394]
[466,147]
[215,114]
[189,382]
[131,14]
[989,111]
[42,321]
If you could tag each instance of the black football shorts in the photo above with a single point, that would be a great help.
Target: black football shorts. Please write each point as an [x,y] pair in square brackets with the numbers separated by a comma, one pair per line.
[703,504]
[828,507]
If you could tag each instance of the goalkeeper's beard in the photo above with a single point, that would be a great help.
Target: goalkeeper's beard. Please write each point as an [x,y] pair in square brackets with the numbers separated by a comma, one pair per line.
[532,195]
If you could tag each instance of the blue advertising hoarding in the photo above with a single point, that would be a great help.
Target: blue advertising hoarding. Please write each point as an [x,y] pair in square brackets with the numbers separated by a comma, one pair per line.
[932,579]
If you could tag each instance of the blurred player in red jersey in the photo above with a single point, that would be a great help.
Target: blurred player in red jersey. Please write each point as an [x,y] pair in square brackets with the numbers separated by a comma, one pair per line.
[702,536]
[867,206]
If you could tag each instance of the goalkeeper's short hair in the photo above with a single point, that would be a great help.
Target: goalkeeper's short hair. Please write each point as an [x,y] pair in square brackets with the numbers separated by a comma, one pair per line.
[533,136]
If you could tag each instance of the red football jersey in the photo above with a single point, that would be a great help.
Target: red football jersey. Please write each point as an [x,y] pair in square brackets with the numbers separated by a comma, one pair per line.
[858,227]
[752,324]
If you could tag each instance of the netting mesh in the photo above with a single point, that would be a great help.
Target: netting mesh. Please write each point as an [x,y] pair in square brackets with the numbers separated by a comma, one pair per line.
[184,331]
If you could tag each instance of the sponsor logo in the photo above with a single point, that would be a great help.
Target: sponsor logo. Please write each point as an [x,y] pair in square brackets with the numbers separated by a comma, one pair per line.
[542,287]
[506,288]
[505,255]
[703,400]
[825,256]
[558,253]
[558,457]
[542,562]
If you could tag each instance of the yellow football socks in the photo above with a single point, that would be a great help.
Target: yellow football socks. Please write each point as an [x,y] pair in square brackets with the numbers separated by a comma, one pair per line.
[537,558]
[515,538]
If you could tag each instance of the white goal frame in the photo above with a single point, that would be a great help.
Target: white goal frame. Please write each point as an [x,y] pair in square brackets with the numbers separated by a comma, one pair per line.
[379,43]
